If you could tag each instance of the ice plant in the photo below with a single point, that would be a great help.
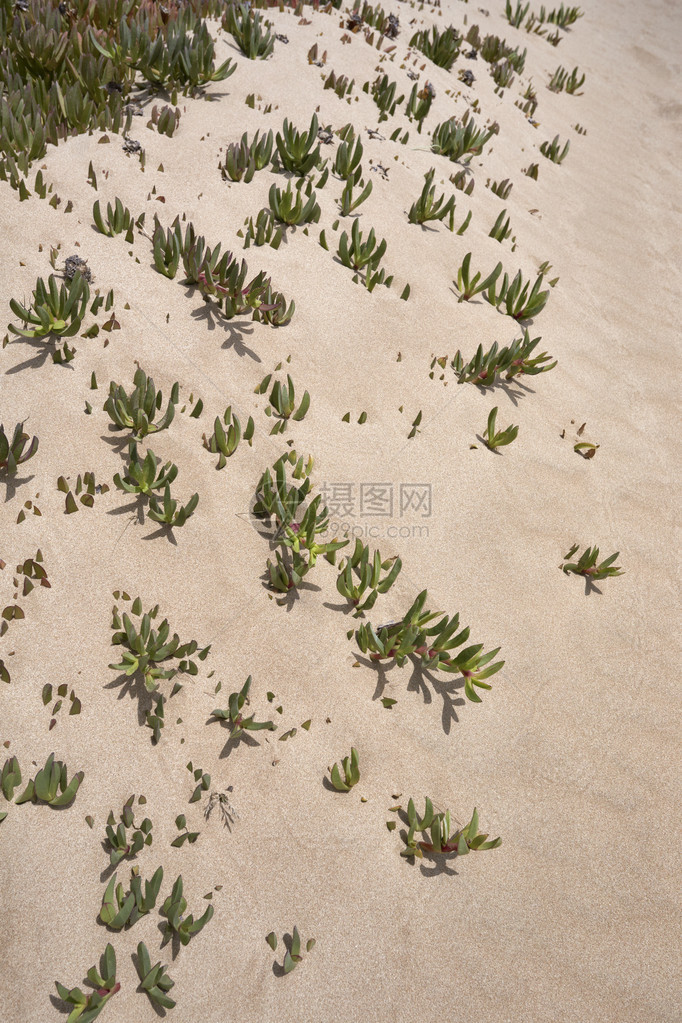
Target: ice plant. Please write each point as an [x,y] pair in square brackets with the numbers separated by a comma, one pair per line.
[301,536]
[236,720]
[244,158]
[154,980]
[245,27]
[275,497]
[54,311]
[553,151]
[185,927]
[118,219]
[587,564]
[440,47]
[14,452]
[495,439]
[427,207]
[351,772]
[469,286]
[283,404]
[143,477]
[51,785]
[88,1007]
[440,838]
[227,433]
[137,411]
[516,359]
[289,208]
[122,909]
[119,842]
[459,141]
[146,649]
[298,151]
[360,577]
[517,299]
[170,512]
[292,956]
[434,644]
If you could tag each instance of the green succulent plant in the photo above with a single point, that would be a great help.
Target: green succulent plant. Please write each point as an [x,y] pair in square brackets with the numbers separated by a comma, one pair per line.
[502,189]
[553,151]
[177,923]
[146,649]
[351,772]
[349,203]
[419,104]
[292,956]
[118,219]
[441,837]
[51,785]
[516,16]
[469,286]
[561,16]
[497,439]
[360,577]
[119,842]
[348,159]
[434,645]
[170,512]
[500,229]
[283,404]
[289,208]
[274,309]
[88,1007]
[143,477]
[301,536]
[587,564]
[298,151]
[167,248]
[287,574]
[440,47]
[54,311]
[427,207]
[516,298]
[244,158]
[226,436]
[275,497]
[246,28]
[14,452]
[122,909]
[561,80]
[363,254]
[10,779]
[154,980]
[512,360]
[341,84]
[234,717]
[137,411]
[459,141]
[384,95]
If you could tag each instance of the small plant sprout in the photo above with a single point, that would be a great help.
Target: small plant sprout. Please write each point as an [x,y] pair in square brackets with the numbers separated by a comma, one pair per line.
[553,151]
[185,927]
[290,209]
[293,955]
[364,255]
[202,779]
[119,842]
[419,104]
[440,47]
[170,512]
[440,837]
[459,141]
[14,452]
[427,207]
[88,1007]
[137,411]
[360,577]
[351,772]
[186,836]
[516,16]
[146,649]
[500,229]
[122,909]
[587,564]
[51,785]
[239,724]
[301,536]
[561,80]
[348,203]
[154,980]
[348,160]
[298,151]
[283,404]
[245,27]
[227,433]
[512,360]
[118,219]
[516,298]
[54,311]
[275,497]
[243,159]
[494,439]
[384,95]
[434,645]
[10,779]
[469,286]
[142,477]
[285,576]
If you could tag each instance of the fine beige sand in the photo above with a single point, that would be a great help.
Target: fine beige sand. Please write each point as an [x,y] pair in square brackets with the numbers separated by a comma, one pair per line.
[572,758]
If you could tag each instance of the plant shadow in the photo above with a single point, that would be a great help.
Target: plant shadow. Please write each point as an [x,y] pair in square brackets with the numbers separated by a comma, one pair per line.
[419,678]
[133,686]
[12,483]
[235,330]
[163,530]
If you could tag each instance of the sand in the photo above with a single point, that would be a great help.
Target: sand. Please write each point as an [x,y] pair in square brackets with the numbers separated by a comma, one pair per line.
[571,758]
